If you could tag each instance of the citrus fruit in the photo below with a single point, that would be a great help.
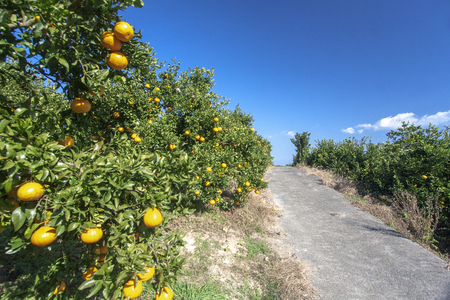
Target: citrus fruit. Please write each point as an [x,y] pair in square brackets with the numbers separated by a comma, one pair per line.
[209,169]
[216,119]
[207,183]
[137,139]
[187,132]
[165,294]
[197,193]
[224,165]
[80,105]
[69,142]
[153,217]
[212,201]
[120,129]
[117,61]
[110,41]
[132,291]
[149,272]
[61,288]
[197,136]
[43,236]
[239,190]
[202,139]
[123,31]
[147,86]
[91,235]
[30,191]
[89,273]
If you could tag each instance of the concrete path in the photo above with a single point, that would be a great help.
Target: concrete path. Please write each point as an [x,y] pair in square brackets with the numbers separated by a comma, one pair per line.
[353,255]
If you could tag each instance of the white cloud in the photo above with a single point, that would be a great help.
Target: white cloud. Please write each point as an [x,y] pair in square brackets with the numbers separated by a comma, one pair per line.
[360,131]
[291,133]
[349,130]
[269,136]
[439,118]
[396,121]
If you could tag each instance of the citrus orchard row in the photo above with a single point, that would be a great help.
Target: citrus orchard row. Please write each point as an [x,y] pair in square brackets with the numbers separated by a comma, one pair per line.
[115,145]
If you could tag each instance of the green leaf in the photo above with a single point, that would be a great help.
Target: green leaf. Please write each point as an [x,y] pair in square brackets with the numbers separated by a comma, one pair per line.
[87,284]
[3,124]
[73,226]
[18,218]
[40,140]
[121,276]
[8,165]
[30,230]
[60,229]
[63,62]
[95,290]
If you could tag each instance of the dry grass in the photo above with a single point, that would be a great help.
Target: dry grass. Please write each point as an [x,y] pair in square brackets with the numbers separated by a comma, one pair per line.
[244,250]
[401,213]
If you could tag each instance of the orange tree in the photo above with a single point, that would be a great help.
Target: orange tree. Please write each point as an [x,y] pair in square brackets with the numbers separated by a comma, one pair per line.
[106,148]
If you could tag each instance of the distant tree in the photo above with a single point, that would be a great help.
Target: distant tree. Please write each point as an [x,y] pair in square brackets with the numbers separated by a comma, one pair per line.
[301,142]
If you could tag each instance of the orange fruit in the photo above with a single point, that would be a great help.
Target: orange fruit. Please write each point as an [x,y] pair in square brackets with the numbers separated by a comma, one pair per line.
[120,129]
[69,142]
[197,136]
[165,294]
[187,132]
[80,105]
[30,191]
[43,236]
[131,290]
[61,288]
[89,273]
[153,217]
[117,61]
[197,193]
[133,136]
[239,190]
[216,119]
[212,202]
[157,100]
[252,129]
[137,139]
[123,31]
[224,165]
[116,114]
[207,183]
[110,41]
[149,272]
[147,86]
[209,169]
[91,235]
[202,139]
[247,183]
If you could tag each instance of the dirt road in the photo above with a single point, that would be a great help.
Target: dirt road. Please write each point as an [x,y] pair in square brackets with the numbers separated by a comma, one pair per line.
[353,255]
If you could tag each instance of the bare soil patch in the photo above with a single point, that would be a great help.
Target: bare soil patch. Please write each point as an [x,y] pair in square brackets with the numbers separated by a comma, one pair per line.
[244,250]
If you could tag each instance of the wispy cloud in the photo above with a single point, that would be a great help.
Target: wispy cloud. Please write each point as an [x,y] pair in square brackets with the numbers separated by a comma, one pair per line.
[394,122]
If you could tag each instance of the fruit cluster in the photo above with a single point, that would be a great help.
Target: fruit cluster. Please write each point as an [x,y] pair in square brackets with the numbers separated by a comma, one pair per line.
[112,40]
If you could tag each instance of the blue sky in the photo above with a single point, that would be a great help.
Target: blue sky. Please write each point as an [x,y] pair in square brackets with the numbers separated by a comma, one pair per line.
[333,68]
